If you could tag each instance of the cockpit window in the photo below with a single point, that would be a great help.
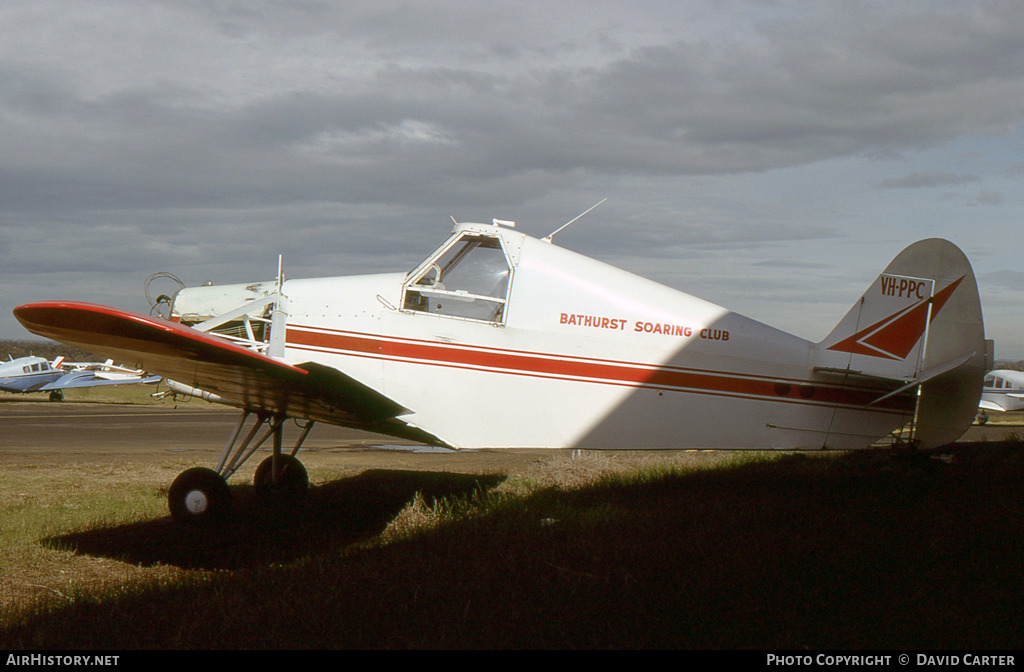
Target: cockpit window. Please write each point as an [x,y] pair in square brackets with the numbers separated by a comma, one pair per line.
[469,278]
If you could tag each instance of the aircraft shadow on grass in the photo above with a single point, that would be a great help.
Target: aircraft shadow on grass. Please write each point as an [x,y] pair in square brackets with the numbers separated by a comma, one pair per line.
[331,517]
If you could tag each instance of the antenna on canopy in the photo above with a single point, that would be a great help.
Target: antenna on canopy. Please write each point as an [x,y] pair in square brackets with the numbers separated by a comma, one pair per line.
[547,238]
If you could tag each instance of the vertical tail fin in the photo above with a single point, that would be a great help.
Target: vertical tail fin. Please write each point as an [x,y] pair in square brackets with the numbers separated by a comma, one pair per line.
[922,315]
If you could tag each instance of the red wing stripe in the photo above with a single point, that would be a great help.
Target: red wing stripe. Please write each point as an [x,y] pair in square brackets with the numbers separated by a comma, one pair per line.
[106,329]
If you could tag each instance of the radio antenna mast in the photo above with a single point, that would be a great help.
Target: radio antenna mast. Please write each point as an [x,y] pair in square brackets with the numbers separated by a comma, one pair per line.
[547,238]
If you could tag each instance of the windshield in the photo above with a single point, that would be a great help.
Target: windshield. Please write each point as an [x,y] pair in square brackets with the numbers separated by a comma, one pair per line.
[469,279]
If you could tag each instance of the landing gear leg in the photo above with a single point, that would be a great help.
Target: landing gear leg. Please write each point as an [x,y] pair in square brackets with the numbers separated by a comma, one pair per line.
[281,476]
[200,495]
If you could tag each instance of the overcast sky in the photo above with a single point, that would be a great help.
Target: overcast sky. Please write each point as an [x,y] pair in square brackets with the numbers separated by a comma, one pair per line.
[771,157]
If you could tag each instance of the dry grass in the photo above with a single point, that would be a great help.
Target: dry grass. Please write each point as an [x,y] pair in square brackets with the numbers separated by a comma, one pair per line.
[46,502]
[715,550]
[115,394]
[37,502]
[1015,418]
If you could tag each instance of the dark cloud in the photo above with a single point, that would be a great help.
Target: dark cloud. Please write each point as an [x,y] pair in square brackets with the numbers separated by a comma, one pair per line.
[987,197]
[784,95]
[924,180]
[189,134]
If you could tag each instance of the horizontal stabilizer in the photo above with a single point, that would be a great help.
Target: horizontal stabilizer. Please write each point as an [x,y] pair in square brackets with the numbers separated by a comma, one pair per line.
[928,375]
[846,374]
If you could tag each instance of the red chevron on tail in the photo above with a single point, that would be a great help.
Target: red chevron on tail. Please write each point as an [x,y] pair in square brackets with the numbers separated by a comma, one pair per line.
[896,335]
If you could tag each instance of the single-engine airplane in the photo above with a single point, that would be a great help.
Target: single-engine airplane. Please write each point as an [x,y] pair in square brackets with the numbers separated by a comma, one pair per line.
[1003,391]
[498,339]
[36,374]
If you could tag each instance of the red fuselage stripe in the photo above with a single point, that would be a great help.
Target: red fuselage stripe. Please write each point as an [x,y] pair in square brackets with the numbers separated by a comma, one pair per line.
[587,370]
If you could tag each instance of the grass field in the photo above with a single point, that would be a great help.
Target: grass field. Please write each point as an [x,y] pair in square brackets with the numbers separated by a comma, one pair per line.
[748,550]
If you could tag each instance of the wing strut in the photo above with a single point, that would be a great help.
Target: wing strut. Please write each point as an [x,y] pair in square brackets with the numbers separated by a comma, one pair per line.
[226,467]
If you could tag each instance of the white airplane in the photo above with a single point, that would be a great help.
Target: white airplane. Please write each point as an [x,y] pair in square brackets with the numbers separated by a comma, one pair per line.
[36,374]
[501,340]
[1003,391]
[30,374]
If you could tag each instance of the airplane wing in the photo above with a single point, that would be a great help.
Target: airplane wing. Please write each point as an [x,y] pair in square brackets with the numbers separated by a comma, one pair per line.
[91,379]
[242,377]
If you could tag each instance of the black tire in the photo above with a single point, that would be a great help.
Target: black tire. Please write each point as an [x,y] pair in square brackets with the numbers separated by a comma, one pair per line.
[293,483]
[199,495]
[57,395]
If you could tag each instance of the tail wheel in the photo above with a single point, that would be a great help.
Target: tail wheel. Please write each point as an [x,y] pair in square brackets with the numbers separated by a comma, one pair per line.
[292,481]
[199,495]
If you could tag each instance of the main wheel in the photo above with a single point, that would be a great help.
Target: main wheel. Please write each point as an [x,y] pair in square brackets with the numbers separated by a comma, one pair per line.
[199,495]
[292,481]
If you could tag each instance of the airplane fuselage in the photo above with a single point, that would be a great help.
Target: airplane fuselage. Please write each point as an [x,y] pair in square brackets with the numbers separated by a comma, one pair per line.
[1003,391]
[27,374]
[573,352]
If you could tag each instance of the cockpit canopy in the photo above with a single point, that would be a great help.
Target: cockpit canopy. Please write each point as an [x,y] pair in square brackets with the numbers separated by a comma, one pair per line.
[469,277]
[998,382]
[37,366]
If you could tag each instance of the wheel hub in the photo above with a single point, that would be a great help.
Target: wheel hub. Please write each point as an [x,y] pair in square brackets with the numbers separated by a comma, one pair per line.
[196,501]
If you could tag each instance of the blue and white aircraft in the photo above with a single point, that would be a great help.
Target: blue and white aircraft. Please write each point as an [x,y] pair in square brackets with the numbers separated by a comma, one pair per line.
[29,374]
[1003,391]
[36,374]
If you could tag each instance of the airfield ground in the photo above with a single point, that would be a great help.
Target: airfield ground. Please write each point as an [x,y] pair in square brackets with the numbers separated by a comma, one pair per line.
[127,426]
[37,432]
[919,553]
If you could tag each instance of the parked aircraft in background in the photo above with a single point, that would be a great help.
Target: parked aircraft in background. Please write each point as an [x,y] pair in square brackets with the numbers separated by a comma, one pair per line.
[1003,391]
[36,374]
[29,374]
[501,340]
